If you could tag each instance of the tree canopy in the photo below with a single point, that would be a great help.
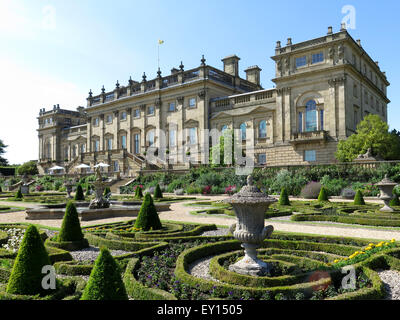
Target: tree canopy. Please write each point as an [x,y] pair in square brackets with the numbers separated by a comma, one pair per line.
[29,168]
[3,161]
[372,132]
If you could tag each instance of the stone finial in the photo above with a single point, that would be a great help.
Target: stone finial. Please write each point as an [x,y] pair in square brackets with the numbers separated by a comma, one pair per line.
[117,85]
[90,93]
[181,66]
[330,30]
[159,73]
[249,180]
[278,44]
[289,42]
[130,81]
[343,26]
[359,42]
[103,90]
[144,77]
[203,61]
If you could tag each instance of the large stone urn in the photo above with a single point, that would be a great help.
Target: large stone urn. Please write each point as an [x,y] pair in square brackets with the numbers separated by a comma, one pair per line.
[386,188]
[250,205]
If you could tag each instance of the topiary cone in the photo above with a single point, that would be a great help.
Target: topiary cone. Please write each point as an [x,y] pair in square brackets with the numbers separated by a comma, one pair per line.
[105,282]
[138,193]
[157,192]
[359,199]
[79,193]
[71,227]
[26,275]
[148,217]
[284,198]
[323,195]
[19,194]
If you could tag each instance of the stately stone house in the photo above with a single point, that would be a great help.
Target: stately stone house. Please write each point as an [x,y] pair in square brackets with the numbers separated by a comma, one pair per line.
[323,89]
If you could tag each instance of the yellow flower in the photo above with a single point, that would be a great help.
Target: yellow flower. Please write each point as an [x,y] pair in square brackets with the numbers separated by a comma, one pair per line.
[387,243]
[368,248]
[336,261]
[379,245]
[393,240]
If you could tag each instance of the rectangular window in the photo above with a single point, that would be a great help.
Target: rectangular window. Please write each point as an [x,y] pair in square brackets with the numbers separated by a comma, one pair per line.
[301,61]
[309,155]
[136,113]
[262,158]
[96,145]
[109,144]
[109,118]
[171,106]
[151,138]
[123,142]
[172,138]
[192,103]
[192,135]
[123,115]
[116,166]
[317,57]
[300,121]
[150,110]
[137,143]
[96,121]
[83,148]
[321,119]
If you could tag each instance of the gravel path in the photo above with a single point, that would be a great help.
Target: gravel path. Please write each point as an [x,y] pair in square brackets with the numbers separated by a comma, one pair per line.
[91,253]
[391,281]
[200,268]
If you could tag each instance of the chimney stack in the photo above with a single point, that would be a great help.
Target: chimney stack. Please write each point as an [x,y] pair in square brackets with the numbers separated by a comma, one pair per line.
[231,65]
[330,30]
[253,74]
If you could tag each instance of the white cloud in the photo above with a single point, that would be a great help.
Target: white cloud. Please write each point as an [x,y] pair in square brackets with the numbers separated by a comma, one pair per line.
[24,92]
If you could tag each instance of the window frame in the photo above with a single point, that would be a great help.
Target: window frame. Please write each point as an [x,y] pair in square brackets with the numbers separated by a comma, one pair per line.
[298,59]
[195,103]
[317,54]
[307,152]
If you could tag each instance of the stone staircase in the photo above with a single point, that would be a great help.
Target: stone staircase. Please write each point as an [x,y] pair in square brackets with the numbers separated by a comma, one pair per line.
[119,183]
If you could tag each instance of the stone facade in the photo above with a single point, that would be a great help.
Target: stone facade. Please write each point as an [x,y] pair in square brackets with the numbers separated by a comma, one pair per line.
[324,88]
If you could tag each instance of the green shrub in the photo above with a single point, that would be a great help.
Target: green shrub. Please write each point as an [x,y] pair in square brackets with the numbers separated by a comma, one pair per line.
[157,192]
[107,190]
[148,217]
[284,198]
[138,193]
[79,193]
[323,196]
[394,201]
[333,186]
[19,195]
[26,275]
[71,227]
[311,190]
[359,199]
[105,282]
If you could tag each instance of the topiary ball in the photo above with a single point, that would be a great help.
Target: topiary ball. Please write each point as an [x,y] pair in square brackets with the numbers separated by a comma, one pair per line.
[359,199]
[284,198]
[148,217]
[79,193]
[157,192]
[26,275]
[105,282]
[71,227]
[323,195]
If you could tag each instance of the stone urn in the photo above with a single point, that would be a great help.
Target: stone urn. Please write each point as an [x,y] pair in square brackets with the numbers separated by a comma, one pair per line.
[99,202]
[68,186]
[250,205]
[386,188]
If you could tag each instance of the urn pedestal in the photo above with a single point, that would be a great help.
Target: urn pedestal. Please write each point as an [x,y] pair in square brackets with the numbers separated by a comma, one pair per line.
[386,193]
[250,205]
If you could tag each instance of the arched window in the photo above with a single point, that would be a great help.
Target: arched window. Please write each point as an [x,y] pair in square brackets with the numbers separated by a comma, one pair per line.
[150,137]
[243,131]
[311,116]
[262,129]
[224,127]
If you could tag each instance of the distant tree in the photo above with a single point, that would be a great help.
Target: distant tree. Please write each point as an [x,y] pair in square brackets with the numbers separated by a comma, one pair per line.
[29,168]
[372,132]
[220,147]
[3,161]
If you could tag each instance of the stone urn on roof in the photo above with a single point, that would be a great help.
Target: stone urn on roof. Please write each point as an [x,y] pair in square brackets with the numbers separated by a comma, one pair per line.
[250,205]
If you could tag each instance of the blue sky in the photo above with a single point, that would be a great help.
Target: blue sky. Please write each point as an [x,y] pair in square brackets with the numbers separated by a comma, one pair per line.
[55,51]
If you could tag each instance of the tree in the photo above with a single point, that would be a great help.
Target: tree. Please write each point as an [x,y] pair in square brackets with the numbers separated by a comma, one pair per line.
[26,275]
[105,282]
[71,227]
[284,198]
[148,218]
[372,132]
[220,147]
[79,193]
[157,192]
[28,168]
[3,161]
